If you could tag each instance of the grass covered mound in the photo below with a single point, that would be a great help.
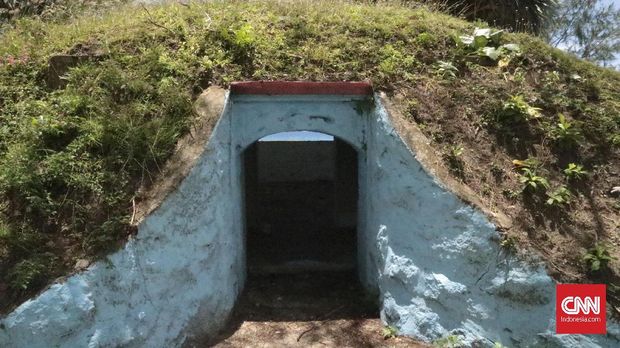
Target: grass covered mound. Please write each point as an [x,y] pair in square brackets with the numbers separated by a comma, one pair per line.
[534,132]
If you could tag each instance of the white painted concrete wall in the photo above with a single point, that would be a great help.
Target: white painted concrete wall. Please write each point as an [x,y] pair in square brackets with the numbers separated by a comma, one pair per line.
[434,260]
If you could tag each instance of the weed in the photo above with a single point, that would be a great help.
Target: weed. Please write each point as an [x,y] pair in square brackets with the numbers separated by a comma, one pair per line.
[560,196]
[565,133]
[486,43]
[597,258]
[453,157]
[508,243]
[29,272]
[528,163]
[450,341]
[389,332]
[532,182]
[516,109]
[426,39]
[575,172]
[446,69]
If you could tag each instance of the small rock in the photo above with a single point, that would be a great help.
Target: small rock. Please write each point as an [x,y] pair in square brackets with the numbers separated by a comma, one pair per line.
[60,64]
[81,264]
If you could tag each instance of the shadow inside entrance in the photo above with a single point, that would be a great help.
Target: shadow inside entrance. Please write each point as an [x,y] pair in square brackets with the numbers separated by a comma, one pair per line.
[303,308]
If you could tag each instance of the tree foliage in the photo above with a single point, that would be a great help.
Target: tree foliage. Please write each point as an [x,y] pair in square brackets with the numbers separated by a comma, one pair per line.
[518,15]
[590,29]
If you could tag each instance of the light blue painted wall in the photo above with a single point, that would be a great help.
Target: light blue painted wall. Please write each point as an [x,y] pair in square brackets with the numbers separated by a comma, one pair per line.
[433,260]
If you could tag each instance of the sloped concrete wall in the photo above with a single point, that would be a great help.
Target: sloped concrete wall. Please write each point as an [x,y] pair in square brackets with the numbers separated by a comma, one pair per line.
[178,277]
[440,269]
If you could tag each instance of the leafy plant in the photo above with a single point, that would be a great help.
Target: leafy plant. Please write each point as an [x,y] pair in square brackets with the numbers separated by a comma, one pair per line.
[28,272]
[575,172]
[453,157]
[480,38]
[508,243]
[446,69]
[529,163]
[486,43]
[566,133]
[532,182]
[516,109]
[450,341]
[558,197]
[389,332]
[597,258]
[456,151]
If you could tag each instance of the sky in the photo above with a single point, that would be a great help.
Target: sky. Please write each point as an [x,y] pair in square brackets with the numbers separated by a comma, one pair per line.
[298,136]
[616,3]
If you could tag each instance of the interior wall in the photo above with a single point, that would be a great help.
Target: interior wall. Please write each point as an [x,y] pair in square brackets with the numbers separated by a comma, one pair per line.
[293,161]
[301,199]
[347,186]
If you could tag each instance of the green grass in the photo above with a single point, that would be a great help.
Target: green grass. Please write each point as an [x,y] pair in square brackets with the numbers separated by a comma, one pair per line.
[71,160]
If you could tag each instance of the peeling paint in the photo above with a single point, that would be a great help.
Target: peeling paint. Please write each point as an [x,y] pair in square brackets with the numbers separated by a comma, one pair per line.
[433,260]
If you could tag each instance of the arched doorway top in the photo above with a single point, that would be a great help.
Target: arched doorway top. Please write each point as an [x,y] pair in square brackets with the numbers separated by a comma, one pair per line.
[257,116]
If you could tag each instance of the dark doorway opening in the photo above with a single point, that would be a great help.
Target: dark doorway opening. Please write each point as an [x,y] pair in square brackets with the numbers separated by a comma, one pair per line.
[301,202]
[301,206]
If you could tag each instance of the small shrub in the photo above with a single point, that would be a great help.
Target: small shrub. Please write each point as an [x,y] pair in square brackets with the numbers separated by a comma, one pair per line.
[453,157]
[446,69]
[426,39]
[597,258]
[516,109]
[532,182]
[450,341]
[508,243]
[486,43]
[575,172]
[29,273]
[561,196]
[389,332]
[565,133]
[529,163]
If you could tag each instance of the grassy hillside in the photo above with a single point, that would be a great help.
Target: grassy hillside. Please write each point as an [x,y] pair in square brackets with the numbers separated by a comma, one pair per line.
[72,158]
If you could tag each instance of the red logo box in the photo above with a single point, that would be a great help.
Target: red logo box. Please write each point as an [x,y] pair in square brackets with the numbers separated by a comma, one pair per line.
[580,309]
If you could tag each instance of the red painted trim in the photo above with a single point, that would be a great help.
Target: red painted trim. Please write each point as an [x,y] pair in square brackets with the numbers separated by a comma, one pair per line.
[300,88]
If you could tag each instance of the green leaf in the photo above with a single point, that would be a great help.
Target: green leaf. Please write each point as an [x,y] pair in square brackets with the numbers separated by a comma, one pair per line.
[491,52]
[485,32]
[466,40]
[480,42]
[496,36]
[512,47]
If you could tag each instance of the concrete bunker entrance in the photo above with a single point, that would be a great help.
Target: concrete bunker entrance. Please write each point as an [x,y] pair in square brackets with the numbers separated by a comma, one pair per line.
[301,221]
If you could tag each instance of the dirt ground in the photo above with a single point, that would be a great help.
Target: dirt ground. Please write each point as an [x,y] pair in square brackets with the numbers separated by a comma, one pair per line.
[319,309]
